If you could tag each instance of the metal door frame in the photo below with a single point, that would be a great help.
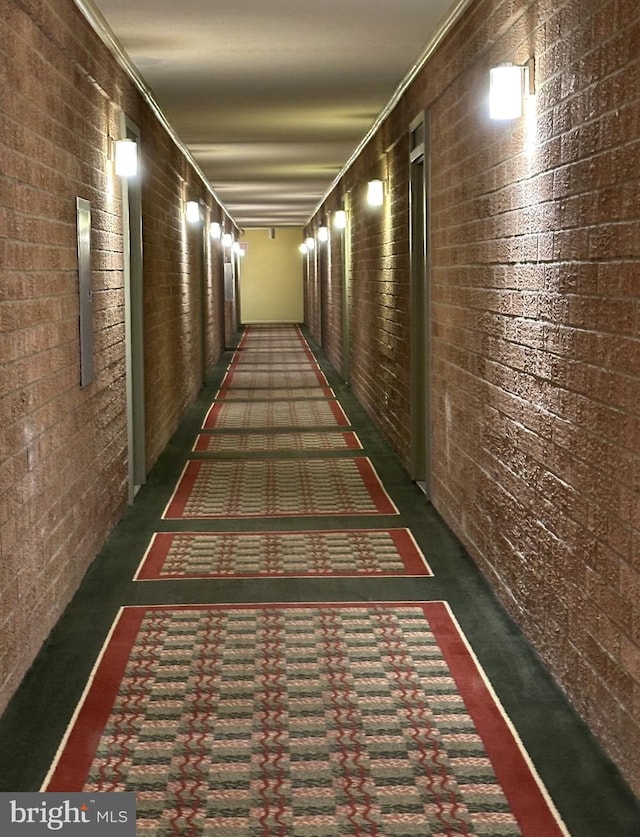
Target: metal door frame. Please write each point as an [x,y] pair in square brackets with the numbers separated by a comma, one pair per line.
[134,318]
[420,316]
[346,290]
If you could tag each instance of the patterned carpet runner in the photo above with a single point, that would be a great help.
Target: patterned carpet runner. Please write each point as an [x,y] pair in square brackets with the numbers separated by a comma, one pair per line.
[275,394]
[329,440]
[250,379]
[368,552]
[252,415]
[293,720]
[340,721]
[279,487]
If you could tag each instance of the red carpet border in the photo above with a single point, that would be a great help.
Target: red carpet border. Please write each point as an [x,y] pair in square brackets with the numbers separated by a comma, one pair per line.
[344,720]
[351,552]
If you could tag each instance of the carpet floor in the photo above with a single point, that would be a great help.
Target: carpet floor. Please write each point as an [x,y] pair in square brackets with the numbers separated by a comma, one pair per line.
[358,552]
[279,487]
[337,720]
[282,639]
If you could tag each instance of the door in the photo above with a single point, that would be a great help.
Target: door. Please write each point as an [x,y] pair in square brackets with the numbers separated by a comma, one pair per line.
[134,320]
[419,299]
[346,291]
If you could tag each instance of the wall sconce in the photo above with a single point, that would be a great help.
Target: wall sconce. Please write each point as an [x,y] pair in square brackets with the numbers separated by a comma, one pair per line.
[215,230]
[192,211]
[310,242]
[227,240]
[323,233]
[124,153]
[375,193]
[509,85]
[303,249]
[340,219]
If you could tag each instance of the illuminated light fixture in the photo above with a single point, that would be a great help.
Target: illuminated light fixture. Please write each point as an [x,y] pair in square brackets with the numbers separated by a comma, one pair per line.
[310,242]
[323,233]
[216,230]
[235,247]
[125,155]
[193,212]
[509,85]
[340,219]
[227,239]
[303,249]
[375,193]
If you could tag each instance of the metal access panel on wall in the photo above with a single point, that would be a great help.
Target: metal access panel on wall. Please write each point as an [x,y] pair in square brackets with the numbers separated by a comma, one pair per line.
[83,221]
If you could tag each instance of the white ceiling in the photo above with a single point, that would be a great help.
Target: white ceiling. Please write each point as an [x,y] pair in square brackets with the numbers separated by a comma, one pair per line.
[272,97]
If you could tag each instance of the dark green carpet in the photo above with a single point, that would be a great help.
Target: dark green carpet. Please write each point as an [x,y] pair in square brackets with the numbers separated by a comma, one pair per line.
[585,786]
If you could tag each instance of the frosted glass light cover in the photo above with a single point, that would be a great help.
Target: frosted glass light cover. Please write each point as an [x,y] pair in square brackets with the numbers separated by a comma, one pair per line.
[340,219]
[375,193]
[126,158]
[193,212]
[505,92]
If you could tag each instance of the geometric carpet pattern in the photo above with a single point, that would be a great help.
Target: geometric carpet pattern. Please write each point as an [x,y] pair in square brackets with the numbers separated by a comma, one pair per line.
[290,357]
[279,487]
[351,552]
[226,415]
[301,721]
[238,365]
[317,717]
[267,379]
[281,394]
[329,440]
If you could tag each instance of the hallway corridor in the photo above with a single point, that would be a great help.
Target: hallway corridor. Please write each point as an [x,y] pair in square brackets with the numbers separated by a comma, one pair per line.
[281,638]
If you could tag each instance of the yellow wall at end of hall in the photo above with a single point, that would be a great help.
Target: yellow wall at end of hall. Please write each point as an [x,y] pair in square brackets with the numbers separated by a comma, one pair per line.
[271,278]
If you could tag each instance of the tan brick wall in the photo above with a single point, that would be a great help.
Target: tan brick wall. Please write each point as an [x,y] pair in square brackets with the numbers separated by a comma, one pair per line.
[535,331]
[63,449]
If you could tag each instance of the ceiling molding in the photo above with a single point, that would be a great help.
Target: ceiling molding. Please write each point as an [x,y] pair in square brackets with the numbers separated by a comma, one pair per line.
[400,90]
[100,26]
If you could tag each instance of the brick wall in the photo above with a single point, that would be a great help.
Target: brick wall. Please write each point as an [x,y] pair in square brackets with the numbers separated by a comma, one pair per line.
[535,330]
[63,449]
